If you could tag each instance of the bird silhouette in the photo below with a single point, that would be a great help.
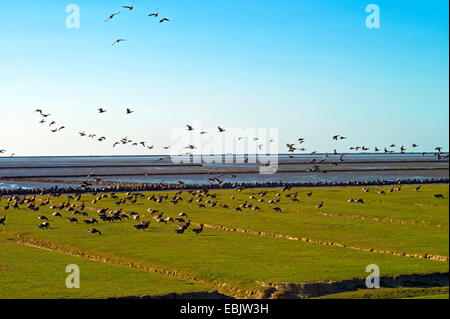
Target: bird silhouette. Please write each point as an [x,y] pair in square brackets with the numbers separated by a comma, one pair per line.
[129,7]
[118,41]
[112,16]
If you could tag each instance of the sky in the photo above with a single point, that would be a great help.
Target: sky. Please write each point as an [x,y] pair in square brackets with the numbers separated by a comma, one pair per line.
[305,68]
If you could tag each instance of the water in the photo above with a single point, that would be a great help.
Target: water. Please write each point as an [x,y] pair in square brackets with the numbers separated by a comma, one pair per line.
[159,168]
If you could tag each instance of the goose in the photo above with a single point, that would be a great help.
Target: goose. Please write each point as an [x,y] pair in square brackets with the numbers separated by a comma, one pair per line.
[56,214]
[198,230]
[72,219]
[189,128]
[220,129]
[102,110]
[142,225]
[319,205]
[164,19]
[129,111]
[129,7]
[112,16]
[118,41]
[2,220]
[45,225]
[155,14]
[94,231]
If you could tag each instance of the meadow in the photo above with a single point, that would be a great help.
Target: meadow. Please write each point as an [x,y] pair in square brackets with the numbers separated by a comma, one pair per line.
[241,251]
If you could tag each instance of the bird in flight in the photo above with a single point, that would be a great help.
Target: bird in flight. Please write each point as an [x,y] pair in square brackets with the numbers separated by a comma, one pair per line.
[155,14]
[129,111]
[189,128]
[112,16]
[101,110]
[118,41]
[129,7]
[163,19]
[220,129]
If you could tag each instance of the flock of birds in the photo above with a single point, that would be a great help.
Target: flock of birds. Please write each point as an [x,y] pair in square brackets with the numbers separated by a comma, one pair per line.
[291,147]
[130,8]
[199,199]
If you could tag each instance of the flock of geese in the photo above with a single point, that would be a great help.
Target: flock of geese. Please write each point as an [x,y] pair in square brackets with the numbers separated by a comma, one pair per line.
[291,147]
[130,8]
[74,210]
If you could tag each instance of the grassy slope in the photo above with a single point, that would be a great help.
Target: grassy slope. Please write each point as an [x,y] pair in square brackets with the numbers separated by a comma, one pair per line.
[28,272]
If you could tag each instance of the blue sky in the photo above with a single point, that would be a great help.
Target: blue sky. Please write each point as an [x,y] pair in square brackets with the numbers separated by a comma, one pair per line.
[308,68]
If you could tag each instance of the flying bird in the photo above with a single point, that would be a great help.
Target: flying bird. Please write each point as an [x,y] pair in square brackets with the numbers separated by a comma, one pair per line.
[129,111]
[112,16]
[118,41]
[164,19]
[101,110]
[129,7]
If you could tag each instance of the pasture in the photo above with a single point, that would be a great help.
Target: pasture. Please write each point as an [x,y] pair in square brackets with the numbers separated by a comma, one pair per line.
[292,236]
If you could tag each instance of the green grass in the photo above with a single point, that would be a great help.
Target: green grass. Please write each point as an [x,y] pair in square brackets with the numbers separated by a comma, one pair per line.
[28,272]
[303,219]
[243,260]
[393,293]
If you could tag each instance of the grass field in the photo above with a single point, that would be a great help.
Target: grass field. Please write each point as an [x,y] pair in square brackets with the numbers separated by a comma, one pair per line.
[33,273]
[327,243]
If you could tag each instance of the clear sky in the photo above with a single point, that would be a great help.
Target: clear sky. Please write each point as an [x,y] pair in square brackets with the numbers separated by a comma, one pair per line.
[309,68]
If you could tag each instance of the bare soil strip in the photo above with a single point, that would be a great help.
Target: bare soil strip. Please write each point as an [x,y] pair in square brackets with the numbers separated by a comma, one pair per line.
[317,289]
